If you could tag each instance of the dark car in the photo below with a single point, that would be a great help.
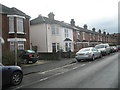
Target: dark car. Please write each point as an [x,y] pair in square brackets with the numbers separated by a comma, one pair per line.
[12,75]
[28,56]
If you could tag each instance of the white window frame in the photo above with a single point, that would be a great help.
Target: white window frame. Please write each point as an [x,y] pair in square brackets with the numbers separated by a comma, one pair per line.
[20,25]
[54,30]
[11,25]
[12,43]
[66,33]
[19,44]
[57,46]
[83,35]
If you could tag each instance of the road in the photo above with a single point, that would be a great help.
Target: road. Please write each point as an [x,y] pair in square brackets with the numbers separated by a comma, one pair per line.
[101,73]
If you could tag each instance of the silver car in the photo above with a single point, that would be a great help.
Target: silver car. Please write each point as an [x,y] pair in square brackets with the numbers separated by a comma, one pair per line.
[103,48]
[88,53]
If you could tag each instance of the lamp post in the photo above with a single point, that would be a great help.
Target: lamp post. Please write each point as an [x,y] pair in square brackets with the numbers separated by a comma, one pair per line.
[15,51]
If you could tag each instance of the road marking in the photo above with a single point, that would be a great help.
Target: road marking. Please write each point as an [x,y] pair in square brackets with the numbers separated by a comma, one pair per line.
[83,65]
[56,68]
[75,68]
[43,79]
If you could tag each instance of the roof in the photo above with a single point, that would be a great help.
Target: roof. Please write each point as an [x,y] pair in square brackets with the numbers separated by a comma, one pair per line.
[12,11]
[67,39]
[41,19]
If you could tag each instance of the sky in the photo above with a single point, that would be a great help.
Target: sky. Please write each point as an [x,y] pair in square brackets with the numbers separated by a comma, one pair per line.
[99,14]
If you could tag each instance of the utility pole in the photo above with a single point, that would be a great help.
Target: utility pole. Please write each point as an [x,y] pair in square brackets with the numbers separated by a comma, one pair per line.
[16,47]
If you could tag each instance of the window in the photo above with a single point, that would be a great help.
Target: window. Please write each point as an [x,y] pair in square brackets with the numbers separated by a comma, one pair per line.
[70,46]
[58,46]
[83,35]
[11,24]
[20,45]
[78,35]
[66,33]
[66,47]
[55,30]
[12,46]
[20,25]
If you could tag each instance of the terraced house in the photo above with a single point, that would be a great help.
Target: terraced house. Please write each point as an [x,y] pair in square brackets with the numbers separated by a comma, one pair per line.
[50,35]
[14,27]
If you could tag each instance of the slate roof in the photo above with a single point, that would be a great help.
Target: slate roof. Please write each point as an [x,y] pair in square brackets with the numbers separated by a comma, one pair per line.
[12,11]
[42,19]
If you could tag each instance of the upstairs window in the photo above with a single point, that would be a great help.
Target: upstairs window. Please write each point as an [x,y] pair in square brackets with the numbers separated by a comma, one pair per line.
[20,25]
[11,24]
[83,35]
[55,30]
[66,33]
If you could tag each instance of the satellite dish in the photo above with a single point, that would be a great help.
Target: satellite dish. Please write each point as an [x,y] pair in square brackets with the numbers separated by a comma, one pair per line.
[2,40]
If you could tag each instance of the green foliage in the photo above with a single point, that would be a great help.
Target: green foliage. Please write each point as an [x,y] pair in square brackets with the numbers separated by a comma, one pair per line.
[9,59]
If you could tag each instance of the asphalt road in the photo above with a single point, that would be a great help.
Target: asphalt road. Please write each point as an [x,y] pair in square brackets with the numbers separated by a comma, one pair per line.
[101,73]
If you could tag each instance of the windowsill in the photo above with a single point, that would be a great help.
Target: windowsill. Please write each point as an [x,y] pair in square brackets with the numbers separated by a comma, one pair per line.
[20,33]
[11,32]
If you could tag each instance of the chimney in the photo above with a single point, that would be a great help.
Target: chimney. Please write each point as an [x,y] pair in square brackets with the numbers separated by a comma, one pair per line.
[104,33]
[72,22]
[99,31]
[85,26]
[93,29]
[51,15]
[107,33]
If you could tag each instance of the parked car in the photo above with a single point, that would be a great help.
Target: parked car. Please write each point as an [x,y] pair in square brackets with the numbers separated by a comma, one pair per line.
[12,75]
[118,47]
[115,48]
[111,49]
[87,53]
[28,56]
[103,48]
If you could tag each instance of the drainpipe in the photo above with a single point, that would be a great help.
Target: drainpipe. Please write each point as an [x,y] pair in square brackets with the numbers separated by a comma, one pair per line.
[1,42]
[46,38]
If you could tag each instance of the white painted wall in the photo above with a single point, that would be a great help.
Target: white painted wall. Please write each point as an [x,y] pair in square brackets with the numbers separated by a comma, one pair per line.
[44,40]
[38,36]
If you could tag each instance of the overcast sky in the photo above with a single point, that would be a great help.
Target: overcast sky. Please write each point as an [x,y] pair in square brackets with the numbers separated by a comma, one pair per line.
[101,14]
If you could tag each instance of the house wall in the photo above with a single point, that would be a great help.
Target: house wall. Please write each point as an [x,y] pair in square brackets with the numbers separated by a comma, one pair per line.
[58,38]
[5,30]
[6,35]
[38,37]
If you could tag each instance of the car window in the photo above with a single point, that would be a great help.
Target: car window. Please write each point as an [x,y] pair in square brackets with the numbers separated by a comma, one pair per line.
[85,49]
[94,49]
[99,46]
[30,51]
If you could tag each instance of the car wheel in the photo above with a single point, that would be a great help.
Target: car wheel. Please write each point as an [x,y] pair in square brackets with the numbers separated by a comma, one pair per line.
[25,61]
[93,57]
[100,55]
[78,60]
[16,78]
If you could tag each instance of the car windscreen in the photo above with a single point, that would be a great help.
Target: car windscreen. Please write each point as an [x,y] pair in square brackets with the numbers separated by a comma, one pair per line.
[30,51]
[99,46]
[85,50]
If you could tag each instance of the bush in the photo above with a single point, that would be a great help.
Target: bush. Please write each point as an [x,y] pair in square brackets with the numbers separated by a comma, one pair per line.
[9,59]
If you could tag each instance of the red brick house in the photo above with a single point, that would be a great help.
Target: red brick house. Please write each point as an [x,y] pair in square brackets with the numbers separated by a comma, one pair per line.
[14,27]
[85,38]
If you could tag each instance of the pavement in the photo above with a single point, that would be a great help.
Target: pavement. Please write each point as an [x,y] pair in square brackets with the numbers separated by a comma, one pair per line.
[43,65]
